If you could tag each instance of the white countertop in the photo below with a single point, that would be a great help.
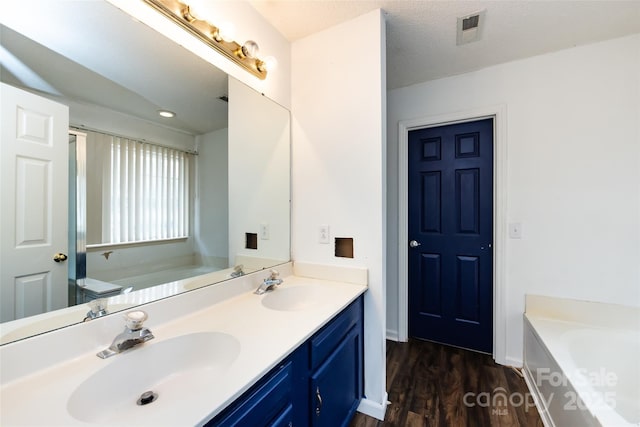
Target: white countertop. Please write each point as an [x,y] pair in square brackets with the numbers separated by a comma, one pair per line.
[266,337]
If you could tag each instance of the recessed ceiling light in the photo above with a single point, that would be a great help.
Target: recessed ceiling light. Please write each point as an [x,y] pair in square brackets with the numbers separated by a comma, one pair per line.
[166,113]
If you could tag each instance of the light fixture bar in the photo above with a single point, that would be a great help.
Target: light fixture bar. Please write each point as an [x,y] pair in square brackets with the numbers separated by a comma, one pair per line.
[179,13]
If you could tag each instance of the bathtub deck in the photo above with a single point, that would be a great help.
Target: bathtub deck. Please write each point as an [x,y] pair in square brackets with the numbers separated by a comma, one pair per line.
[147,280]
[427,383]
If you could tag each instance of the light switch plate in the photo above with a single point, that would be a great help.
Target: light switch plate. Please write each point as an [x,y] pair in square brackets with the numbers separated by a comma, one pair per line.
[264,231]
[323,234]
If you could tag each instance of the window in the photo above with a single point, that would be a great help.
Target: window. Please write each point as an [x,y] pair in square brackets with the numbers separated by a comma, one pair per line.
[145,191]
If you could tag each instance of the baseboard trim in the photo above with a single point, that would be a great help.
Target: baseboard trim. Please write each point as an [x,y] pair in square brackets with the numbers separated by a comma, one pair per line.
[393,335]
[373,409]
[537,398]
[512,361]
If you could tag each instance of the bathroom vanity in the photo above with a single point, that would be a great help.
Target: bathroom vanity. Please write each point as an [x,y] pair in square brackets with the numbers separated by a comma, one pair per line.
[221,356]
[319,384]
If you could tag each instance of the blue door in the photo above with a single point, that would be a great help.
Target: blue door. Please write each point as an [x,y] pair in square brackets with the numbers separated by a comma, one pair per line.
[450,234]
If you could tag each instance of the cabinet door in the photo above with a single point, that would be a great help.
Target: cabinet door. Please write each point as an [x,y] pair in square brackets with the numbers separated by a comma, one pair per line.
[335,385]
[268,404]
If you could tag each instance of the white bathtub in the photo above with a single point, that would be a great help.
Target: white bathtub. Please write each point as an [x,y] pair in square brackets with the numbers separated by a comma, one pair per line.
[174,274]
[582,362]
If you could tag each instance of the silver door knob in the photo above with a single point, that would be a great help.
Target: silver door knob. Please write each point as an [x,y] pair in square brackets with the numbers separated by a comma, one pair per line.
[414,244]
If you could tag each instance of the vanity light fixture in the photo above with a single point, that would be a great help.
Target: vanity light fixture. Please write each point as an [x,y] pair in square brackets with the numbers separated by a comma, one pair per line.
[215,37]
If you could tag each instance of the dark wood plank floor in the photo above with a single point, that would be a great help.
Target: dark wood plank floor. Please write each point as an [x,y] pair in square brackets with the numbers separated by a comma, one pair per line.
[431,384]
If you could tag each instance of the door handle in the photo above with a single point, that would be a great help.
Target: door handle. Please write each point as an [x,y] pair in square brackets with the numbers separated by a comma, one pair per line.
[60,257]
[414,244]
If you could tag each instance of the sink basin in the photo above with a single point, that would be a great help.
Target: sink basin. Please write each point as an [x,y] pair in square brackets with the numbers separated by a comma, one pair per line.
[293,298]
[174,369]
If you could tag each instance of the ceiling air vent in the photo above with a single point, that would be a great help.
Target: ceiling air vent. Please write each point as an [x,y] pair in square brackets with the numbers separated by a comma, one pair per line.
[470,22]
[470,28]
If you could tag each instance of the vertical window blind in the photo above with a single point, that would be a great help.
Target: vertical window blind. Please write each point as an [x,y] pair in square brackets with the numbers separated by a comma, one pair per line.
[145,192]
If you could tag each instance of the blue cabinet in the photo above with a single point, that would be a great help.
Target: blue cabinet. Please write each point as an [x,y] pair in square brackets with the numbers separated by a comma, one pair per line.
[319,384]
[335,385]
[269,403]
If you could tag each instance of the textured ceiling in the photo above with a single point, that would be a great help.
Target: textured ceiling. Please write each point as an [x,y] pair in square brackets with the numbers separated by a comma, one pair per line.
[421,34]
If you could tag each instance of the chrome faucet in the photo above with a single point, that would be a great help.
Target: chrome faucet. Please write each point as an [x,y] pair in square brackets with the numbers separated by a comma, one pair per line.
[237,271]
[133,335]
[98,308]
[269,283]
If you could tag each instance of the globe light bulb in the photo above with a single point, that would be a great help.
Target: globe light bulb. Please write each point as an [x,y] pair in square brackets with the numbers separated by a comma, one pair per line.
[250,49]
[270,63]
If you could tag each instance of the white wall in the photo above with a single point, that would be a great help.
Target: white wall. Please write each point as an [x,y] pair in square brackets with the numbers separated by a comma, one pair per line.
[573,180]
[259,176]
[212,198]
[338,107]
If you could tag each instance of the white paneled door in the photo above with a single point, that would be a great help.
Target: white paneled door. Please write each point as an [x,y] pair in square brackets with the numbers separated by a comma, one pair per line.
[34,148]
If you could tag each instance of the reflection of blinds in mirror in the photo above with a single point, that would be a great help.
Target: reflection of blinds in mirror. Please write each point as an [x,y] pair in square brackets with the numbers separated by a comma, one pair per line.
[145,192]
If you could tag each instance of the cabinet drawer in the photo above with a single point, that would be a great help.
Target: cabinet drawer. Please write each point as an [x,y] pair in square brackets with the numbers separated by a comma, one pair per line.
[285,419]
[323,343]
[267,404]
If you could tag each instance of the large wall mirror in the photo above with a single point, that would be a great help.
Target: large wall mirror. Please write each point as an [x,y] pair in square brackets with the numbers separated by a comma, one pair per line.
[157,206]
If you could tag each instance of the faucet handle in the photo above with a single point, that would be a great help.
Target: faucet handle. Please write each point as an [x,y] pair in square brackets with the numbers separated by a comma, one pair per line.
[135,319]
[97,308]
[98,305]
[274,275]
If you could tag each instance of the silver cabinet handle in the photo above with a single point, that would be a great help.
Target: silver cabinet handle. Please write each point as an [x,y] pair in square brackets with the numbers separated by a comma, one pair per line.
[319,405]
[414,244]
